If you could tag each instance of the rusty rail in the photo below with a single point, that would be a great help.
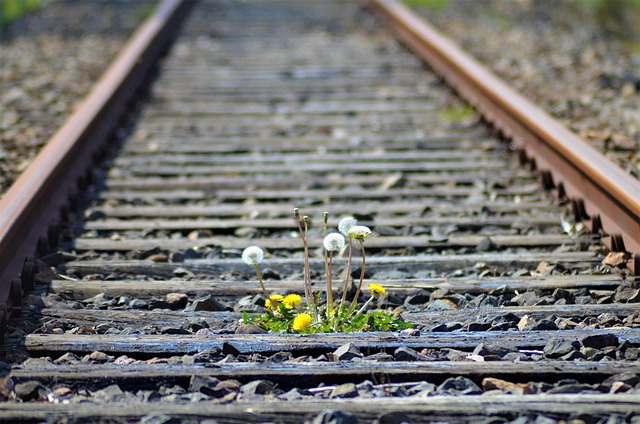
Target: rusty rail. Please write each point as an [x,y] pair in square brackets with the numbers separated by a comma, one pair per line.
[599,190]
[32,208]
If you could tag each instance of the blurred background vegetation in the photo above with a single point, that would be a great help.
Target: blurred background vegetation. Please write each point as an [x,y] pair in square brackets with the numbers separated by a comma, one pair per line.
[618,17]
[12,9]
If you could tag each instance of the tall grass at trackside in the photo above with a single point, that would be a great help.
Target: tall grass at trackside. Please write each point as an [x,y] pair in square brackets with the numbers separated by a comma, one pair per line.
[620,18]
[13,9]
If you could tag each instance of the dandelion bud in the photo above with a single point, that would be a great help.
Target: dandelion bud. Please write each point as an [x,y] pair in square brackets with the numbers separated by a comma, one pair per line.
[252,255]
[302,322]
[334,242]
[359,232]
[346,223]
[325,218]
[296,214]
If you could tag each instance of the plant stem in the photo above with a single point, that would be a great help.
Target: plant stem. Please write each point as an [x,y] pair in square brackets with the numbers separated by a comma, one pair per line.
[311,301]
[329,286]
[261,283]
[307,294]
[328,271]
[346,278]
[363,306]
[355,298]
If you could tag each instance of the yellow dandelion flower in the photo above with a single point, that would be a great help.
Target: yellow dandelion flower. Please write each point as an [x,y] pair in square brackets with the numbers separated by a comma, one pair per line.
[291,301]
[302,322]
[273,300]
[377,289]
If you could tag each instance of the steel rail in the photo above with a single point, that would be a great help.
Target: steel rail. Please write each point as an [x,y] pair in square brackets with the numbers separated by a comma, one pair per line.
[30,210]
[599,189]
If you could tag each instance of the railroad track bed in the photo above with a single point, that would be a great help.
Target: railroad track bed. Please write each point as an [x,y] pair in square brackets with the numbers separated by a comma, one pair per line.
[519,313]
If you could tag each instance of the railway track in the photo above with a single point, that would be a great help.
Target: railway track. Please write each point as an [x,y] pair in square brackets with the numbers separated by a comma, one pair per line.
[132,304]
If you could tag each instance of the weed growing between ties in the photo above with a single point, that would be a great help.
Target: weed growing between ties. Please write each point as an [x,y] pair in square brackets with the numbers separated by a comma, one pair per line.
[291,314]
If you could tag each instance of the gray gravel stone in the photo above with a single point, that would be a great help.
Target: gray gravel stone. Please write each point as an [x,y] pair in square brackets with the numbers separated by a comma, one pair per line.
[423,389]
[627,378]
[159,419]
[396,417]
[380,357]
[598,341]
[446,327]
[528,298]
[439,305]
[573,355]
[291,395]
[204,384]
[138,304]
[627,292]
[347,352]
[493,350]
[30,390]
[97,358]
[112,393]
[572,388]
[347,390]
[67,358]
[485,245]
[330,416]
[541,419]
[257,387]
[459,386]
[207,303]
[249,329]
[448,354]
[556,348]
[516,357]
[408,354]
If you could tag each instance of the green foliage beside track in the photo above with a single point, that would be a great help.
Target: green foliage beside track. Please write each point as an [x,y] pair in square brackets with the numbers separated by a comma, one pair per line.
[428,4]
[13,9]
[620,17]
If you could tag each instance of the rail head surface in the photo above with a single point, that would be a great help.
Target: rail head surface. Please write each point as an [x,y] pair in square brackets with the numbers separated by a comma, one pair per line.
[585,174]
[30,209]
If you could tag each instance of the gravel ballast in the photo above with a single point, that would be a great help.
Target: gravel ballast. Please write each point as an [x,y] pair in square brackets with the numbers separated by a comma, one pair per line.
[50,60]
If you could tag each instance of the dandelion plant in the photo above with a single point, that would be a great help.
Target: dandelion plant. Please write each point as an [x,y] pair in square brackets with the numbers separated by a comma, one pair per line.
[252,256]
[290,314]
[344,226]
[359,232]
[334,242]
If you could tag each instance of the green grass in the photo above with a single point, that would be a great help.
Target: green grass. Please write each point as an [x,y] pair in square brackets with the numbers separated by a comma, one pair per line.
[428,4]
[620,18]
[457,112]
[142,12]
[13,9]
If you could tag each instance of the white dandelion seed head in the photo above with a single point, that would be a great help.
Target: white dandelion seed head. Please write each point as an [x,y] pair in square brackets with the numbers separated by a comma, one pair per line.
[334,242]
[252,255]
[359,232]
[346,223]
